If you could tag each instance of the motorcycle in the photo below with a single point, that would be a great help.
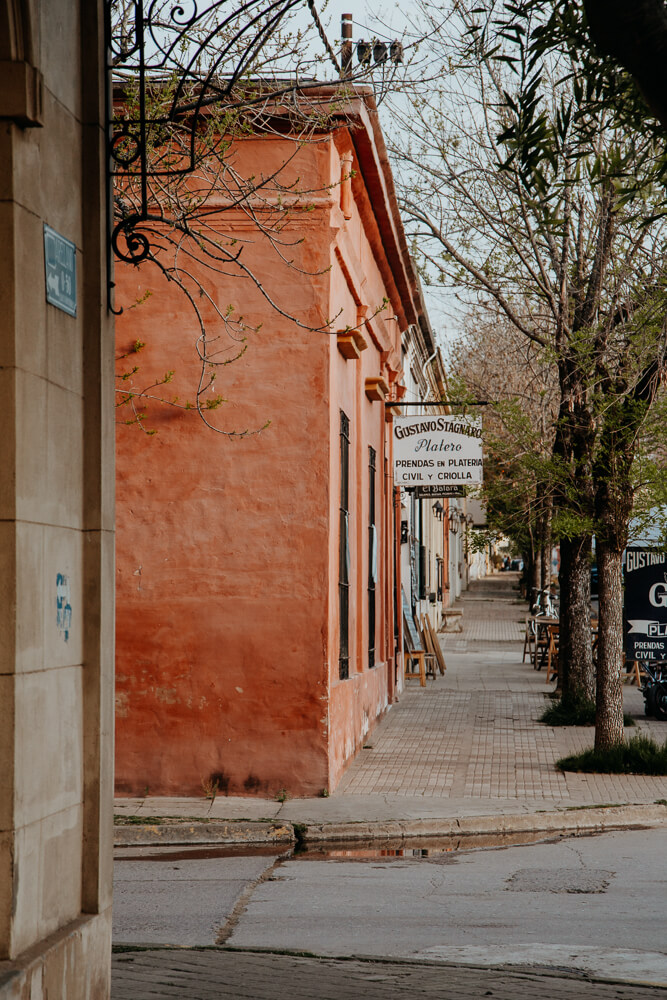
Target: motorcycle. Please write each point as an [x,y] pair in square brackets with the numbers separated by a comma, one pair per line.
[654,688]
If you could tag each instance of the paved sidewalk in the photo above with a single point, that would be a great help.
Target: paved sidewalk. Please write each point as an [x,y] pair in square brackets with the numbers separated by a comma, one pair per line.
[473,734]
[467,747]
[214,974]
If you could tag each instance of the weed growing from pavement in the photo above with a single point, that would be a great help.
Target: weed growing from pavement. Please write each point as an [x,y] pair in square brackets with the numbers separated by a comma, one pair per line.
[300,830]
[210,787]
[597,805]
[581,713]
[640,755]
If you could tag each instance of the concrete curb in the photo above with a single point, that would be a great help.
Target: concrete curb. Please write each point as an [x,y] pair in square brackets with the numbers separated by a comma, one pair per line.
[188,832]
[586,820]
[570,821]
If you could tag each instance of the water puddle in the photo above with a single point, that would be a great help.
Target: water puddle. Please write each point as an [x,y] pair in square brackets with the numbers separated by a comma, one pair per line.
[401,848]
[203,852]
[422,847]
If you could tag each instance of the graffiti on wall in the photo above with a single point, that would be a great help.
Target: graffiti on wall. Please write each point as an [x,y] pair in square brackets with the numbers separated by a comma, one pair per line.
[63,606]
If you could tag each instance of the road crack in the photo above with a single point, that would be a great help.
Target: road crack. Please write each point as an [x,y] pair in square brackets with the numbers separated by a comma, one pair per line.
[228,928]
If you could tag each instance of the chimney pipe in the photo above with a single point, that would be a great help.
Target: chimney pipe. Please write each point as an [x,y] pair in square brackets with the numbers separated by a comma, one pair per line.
[346,47]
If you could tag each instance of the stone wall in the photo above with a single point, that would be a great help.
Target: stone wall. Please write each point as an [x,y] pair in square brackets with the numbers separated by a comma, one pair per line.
[56,507]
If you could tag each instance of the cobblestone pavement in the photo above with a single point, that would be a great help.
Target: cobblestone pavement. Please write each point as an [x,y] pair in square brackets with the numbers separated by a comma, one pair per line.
[473,734]
[215,974]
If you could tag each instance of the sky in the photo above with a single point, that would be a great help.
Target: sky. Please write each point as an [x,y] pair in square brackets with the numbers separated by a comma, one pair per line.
[390,21]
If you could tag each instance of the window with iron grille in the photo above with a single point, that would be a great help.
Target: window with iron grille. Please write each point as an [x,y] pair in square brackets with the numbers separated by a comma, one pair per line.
[344,551]
[372,557]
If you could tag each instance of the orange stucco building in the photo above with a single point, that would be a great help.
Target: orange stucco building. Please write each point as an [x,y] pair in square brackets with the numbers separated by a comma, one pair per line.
[257,641]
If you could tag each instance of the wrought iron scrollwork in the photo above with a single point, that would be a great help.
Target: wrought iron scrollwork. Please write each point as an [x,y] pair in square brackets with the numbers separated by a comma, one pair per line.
[137,244]
[167,63]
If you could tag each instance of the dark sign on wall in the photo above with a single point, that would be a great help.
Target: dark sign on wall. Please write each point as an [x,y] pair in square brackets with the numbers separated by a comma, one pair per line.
[645,608]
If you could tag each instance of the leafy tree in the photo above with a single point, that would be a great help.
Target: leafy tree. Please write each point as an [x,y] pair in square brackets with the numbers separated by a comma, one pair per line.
[608,36]
[492,360]
[567,244]
[636,36]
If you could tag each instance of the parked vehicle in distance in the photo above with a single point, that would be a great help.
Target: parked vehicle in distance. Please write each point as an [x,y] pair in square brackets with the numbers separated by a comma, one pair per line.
[654,689]
[517,564]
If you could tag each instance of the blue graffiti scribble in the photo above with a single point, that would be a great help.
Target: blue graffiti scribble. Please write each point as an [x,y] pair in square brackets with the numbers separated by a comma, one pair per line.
[63,606]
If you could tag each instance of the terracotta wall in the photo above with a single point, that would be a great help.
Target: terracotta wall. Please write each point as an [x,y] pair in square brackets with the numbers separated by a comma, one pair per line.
[357,703]
[227,621]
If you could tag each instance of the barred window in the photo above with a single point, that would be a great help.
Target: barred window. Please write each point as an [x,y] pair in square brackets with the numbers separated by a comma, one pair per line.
[372,556]
[344,551]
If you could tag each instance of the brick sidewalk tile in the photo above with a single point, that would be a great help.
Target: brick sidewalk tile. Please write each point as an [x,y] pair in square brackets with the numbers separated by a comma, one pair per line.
[218,974]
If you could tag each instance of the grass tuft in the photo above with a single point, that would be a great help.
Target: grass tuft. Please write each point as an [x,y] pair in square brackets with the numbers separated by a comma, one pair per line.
[580,713]
[640,755]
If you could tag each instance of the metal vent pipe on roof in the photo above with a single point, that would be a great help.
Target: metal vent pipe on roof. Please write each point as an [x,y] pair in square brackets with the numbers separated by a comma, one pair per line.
[346,47]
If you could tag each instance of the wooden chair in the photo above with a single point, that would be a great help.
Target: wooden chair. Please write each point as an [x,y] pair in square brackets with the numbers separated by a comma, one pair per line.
[432,643]
[541,649]
[529,640]
[429,657]
[634,674]
[552,654]
[414,652]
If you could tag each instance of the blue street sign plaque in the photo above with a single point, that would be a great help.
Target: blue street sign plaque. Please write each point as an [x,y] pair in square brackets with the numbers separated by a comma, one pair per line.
[60,271]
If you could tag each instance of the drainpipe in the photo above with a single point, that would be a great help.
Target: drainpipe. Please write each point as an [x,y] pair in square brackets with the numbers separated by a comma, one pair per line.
[396,662]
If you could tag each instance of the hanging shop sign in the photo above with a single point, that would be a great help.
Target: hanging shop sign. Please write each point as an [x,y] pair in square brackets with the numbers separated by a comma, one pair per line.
[423,492]
[645,604]
[442,450]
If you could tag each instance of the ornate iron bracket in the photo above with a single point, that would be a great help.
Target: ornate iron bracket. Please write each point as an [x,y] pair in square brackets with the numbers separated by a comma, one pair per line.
[168,61]
[188,56]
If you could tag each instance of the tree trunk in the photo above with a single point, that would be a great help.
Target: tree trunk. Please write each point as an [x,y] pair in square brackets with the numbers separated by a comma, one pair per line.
[609,698]
[573,500]
[575,656]
[534,579]
[545,566]
[613,505]
[546,545]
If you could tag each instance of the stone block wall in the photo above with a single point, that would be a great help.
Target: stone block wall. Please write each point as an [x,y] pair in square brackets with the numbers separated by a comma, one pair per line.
[56,510]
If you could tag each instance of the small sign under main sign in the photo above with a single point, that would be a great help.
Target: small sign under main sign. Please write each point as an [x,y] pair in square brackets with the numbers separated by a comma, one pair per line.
[60,271]
[436,491]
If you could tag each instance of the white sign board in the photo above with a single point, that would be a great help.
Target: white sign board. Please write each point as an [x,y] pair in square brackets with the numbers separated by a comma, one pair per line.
[437,451]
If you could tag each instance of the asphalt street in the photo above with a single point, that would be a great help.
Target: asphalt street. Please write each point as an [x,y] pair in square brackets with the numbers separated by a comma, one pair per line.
[590,905]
